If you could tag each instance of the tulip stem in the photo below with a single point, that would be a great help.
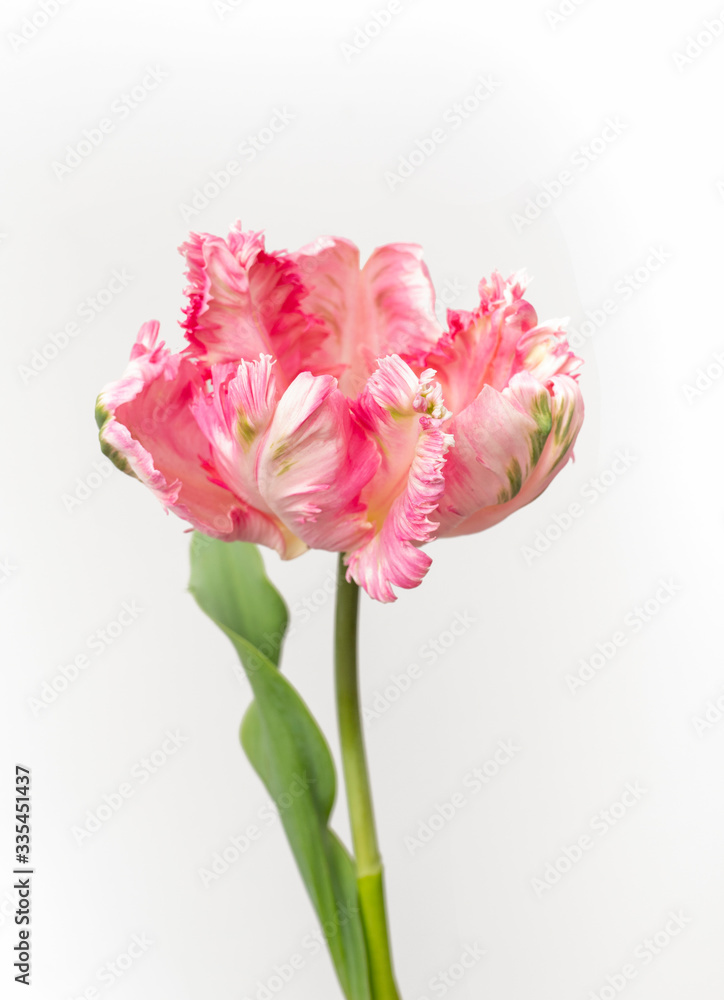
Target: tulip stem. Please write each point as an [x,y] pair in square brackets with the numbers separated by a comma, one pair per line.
[359,798]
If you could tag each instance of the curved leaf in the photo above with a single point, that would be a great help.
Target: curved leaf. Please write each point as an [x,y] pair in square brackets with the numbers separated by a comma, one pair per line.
[284,743]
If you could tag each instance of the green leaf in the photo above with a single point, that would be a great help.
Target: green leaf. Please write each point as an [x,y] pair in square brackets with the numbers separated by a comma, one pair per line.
[284,743]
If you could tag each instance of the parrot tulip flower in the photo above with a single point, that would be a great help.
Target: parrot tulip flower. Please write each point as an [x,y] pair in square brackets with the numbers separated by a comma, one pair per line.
[513,388]
[319,404]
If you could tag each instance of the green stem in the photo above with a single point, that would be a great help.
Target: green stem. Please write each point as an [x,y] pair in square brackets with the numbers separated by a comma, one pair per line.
[359,798]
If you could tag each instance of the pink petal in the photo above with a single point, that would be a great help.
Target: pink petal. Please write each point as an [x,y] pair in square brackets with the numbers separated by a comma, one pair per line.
[387,307]
[149,430]
[544,352]
[481,346]
[244,302]
[401,294]
[404,415]
[509,446]
[234,418]
[314,461]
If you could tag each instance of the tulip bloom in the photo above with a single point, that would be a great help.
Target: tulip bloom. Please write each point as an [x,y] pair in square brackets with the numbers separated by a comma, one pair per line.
[513,388]
[320,404]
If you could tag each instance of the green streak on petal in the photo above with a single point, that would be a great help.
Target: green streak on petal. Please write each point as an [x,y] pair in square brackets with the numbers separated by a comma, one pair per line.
[562,430]
[102,414]
[561,456]
[245,431]
[119,460]
[515,479]
[541,413]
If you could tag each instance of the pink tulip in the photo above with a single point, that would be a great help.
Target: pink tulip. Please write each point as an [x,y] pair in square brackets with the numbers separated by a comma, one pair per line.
[311,407]
[513,387]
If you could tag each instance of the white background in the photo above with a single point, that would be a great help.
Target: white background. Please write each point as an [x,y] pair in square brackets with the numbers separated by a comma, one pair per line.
[70,566]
